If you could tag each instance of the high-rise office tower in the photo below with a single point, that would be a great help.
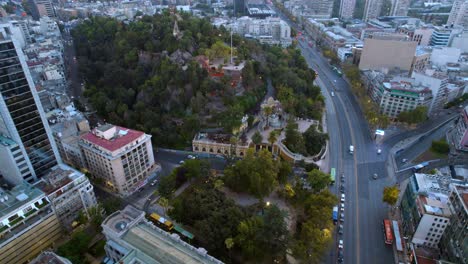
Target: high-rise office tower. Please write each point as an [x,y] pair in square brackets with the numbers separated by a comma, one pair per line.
[40,8]
[22,118]
[320,8]
[459,14]
[372,9]
[400,7]
[347,8]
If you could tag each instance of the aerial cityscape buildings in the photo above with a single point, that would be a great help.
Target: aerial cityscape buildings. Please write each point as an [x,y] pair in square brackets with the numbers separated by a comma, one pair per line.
[182,131]
[23,118]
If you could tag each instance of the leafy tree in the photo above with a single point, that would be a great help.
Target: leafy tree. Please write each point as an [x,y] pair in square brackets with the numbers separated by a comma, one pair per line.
[284,171]
[257,138]
[112,204]
[218,50]
[440,146]
[273,137]
[167,185]
[390,195]
[213,216]
[218,184]
[96,215]
[314,140]
[76,247]
[294,140]
[248,231]
[318,180]
[314,225]
[164,203]
[416,116]
[264,236]
[256,174]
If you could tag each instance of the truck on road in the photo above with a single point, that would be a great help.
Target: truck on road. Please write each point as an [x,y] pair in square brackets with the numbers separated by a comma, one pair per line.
[335,214]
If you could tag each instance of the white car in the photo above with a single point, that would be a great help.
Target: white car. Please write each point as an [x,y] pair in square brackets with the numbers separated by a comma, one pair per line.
[379,151]
[191,157]
[351,149]
[332,94]
[340,245]
[181,162]
[343,197]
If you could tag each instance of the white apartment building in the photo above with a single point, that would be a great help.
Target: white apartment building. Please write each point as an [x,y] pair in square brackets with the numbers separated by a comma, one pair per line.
[271,30]
[460,131]
[347,9]
[440,56]
[459,14]
[443,36]
[122,157]
[436,81]
[400,7]
[372,9]
[425,210]
[69,191]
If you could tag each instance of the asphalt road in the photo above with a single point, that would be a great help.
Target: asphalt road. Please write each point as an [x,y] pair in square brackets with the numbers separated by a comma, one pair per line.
[364,210]
[421,146]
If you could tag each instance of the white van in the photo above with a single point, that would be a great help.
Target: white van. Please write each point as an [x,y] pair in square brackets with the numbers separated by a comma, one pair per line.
[351,149]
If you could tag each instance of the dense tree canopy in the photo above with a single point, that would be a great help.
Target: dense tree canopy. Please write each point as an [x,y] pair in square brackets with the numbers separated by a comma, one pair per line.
[390,195]
[309,143]
[263,237]
[134,76]
[416,116]
[294,82]
[214,217]
[139,75]
[256,174]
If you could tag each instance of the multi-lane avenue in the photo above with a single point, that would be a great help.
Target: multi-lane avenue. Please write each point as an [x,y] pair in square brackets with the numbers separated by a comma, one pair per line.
[364,210]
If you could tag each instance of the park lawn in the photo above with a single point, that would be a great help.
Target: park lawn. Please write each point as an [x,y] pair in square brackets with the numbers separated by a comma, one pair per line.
[429,155]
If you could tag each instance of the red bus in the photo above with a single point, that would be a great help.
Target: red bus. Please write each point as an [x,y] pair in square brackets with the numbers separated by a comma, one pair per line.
[388,235]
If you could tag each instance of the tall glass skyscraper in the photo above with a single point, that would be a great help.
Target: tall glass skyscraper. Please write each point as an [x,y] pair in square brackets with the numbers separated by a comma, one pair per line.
[22,118]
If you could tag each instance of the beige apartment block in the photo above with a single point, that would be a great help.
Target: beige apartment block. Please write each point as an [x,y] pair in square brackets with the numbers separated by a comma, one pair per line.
[387,52]
[122,157]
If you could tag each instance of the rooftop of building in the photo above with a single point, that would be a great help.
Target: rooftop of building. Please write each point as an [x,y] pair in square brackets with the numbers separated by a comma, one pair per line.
[433,205]
[216,138]
[259,9]
[463,192]
[433,183]
[48,257]
[110,137]
[153,244]
[59,176]
[405,84]
[16,197]
[421,50]
[434,73]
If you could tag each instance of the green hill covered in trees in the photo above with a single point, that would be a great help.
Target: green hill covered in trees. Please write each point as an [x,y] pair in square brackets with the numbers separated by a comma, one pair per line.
[143,76]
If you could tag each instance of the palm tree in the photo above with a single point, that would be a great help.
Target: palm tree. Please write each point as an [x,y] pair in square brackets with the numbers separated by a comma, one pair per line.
[218,184]
[164,203]
[229,242]
[273,137]
[268,110]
